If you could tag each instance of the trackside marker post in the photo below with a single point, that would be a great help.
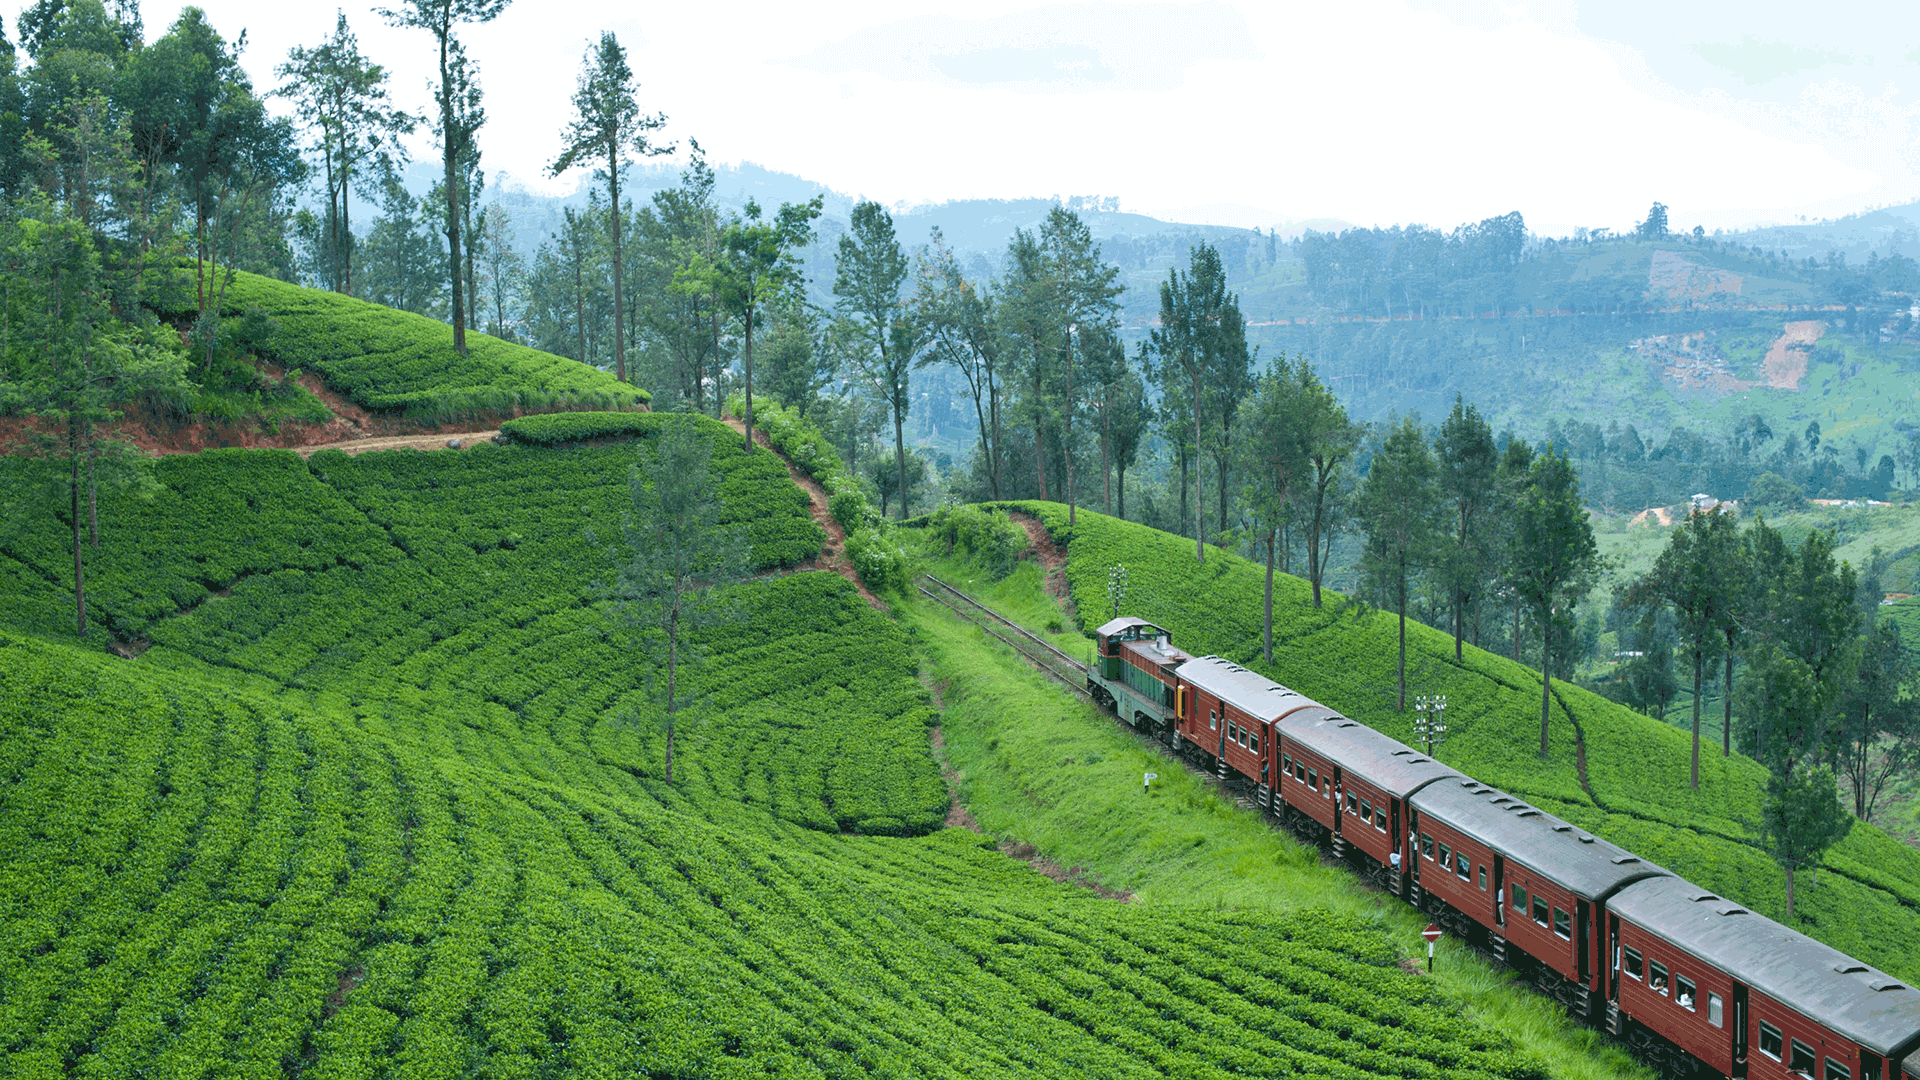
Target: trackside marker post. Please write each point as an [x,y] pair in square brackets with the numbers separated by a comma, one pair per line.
[1146,782]
[1432,934]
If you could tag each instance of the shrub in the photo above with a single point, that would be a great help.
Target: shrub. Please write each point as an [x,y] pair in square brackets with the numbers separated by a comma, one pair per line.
[989,537]
[878,558]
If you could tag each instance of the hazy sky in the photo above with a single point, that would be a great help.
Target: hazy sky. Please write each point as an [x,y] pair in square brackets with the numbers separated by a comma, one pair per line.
[1372,111]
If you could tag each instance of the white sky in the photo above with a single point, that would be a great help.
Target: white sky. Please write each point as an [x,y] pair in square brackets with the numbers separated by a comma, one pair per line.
[1371,111]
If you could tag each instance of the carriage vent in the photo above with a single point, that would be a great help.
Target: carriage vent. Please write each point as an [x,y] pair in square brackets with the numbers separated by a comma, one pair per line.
[1845,967]
[1401,753]
[1730,910]
[1498,799]
[1699,896]
[1350,723]
[1585,839]
[1563,828]
[1468,783]
[1622,860]
[1526,811]
[1885,984]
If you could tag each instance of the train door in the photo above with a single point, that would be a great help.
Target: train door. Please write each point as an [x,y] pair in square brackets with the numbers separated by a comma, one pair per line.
[1869,1065]
[1583,932]
[1613,958]
[1338,789]
[1739,1031]
[1500,892]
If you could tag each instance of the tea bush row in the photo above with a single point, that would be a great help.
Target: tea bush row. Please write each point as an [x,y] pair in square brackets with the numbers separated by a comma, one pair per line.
[395,361]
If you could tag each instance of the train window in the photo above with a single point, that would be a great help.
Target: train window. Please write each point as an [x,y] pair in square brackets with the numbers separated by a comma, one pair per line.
[1313,779]
[1562,924]
[1713,1009]
[1286,765]
[1426,846]
[1540,910]
[1519,899]
[1299,769]
[1802,1062]
[1353,803]
[1658,982]
[1213,719]
[1483,879]
[1683,992]
[1633,963]
[1366,811]
[1463,866]
[1446,856]
[1770,1040]
[1836,1071]
[1380,819]
[1253,743]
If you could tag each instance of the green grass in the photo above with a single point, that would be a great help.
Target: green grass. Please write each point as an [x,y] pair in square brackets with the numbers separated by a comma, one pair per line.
[395,361]
[1867,902]
[1038,766]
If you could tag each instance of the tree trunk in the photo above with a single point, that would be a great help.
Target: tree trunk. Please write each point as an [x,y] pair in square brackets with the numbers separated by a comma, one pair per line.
[993,459]
[1516,627]
[1106,466]
[619,267]
[580,300]
[1400,702]
[93,505]
[673,662]
[900,457]
[1546,676]
[1726,692]
[1039,422]
[747,363]
[1199,504]
[1789,895]
[1066,446]
[1120,483]
[79,568]
[1268,611]
[450,153]
[1182,455]
[1699,658]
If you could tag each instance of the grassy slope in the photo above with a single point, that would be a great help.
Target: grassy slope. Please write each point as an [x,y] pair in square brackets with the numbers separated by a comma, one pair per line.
[1865,902]
[1037,766]
[383,798]
[389,360]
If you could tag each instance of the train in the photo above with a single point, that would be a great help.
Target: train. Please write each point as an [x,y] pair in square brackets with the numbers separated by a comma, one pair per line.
[1695,983]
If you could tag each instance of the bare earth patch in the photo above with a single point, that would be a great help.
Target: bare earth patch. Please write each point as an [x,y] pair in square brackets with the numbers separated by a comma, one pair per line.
[437,441]
[1050,555]
[1786,365]
[1071,875]
[833,553]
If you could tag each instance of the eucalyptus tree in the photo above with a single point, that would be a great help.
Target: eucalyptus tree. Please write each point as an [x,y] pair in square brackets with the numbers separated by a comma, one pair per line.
[1202,331]
[680,235]
[502,269]
[1273,466]
[1879,729]
[606,127]
[1128,416]
[759,261]
[1399,508]
[959,321]
[457,96]
[1027,309]
[1084,290]
[1690,576]
[870,277]
[1469,462]
[66,359]
[341,98]
[1554,559]
[676,563]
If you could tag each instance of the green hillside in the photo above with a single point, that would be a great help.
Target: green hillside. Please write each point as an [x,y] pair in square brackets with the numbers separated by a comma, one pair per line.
[396,361]
[1866,902]
[380,796]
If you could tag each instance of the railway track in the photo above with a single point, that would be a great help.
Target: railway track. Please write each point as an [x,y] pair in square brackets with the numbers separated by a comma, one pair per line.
[1051,662]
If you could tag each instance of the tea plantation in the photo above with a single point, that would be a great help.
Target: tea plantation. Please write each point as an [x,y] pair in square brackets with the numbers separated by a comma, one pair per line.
[396,361]
[382,797]
[1866,901]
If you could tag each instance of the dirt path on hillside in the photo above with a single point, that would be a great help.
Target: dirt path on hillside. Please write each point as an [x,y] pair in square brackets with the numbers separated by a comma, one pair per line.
[1051,557]
[833,553]
[1786,365]
[442,440]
